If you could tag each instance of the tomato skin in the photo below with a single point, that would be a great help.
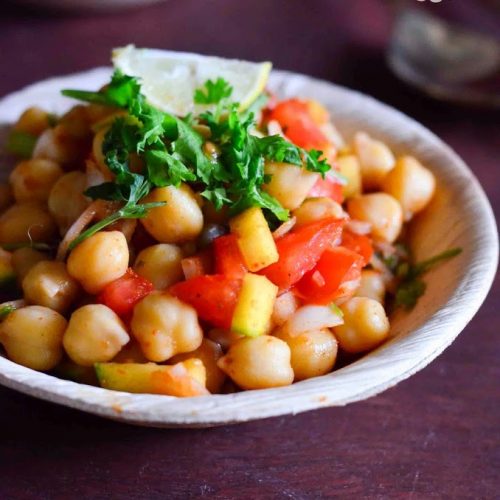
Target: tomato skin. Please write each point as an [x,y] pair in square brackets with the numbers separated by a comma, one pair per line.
[298,125]
[123,294]
[300,250]
[213,296]
[324,284]
[327,188]
[228,258]
[358,243]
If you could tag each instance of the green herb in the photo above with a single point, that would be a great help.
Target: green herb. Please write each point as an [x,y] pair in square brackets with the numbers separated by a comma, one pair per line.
[213,92]
[172,152]
[411,286]
[121,91]
[5,311]
[244,156]
[20,144]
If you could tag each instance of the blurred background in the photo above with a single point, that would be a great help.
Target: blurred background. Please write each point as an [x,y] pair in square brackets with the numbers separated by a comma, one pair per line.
[434,436]
[345,42]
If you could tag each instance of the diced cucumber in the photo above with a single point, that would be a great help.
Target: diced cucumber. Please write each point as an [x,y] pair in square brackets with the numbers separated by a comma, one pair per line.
[255,306]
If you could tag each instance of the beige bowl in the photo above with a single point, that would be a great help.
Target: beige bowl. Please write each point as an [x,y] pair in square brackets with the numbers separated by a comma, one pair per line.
[460,215]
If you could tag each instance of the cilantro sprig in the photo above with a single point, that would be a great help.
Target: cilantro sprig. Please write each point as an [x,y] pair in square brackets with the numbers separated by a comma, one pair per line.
[172,152]
[411,286]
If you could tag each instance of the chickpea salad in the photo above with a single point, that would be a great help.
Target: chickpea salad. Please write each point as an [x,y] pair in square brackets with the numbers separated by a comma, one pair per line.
[235,248]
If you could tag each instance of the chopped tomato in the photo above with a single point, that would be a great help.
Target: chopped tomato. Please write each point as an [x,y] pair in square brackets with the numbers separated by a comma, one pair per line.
[328,188]
[298,125]
[358,243]
[228,258]
[123,294]
[300,250]
[214,297]
[331,278]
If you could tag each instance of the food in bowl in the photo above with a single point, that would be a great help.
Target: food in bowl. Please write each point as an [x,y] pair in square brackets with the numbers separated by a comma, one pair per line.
[236,247]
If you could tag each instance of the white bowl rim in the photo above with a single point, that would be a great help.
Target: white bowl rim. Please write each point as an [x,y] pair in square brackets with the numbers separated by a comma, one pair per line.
[328,390]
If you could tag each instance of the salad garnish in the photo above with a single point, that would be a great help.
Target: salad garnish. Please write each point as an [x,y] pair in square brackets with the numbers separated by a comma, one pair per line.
[172,151]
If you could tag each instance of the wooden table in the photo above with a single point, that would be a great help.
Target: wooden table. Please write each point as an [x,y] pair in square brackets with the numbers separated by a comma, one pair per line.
[433,436]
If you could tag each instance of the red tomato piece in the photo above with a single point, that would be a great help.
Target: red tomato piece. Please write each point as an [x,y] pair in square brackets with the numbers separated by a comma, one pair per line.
[228,258]
[358,243]
[213,296]
[300,249]
[123,294]
[298,125]
[328,188]
[331,278]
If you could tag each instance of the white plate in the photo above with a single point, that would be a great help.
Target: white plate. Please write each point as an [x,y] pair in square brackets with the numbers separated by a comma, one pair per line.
[460,215]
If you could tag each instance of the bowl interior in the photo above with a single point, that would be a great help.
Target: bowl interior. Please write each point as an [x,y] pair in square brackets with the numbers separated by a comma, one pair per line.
[459,215]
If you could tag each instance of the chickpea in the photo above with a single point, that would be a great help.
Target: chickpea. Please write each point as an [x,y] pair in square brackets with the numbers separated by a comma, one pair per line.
[32,180]
[6,196]
[95,334]
[160,264]
[33,121]
[178,221]
[97,148]
[75,123]
[49,284]
[375,159]
[225,338]
[32,337]
[26,222]
[258,362]
[67,143]
[365,325]
[372,285]
[99,260]
[209,353]
[164,326]
[96,113]
[350,168]
[66,199]
[289,184]
[131,353]
[382,211]
[314,209]
[23,259]
[411,184]
[313,353]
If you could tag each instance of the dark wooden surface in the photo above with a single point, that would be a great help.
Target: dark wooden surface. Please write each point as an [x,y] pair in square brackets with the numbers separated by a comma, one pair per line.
[435,435]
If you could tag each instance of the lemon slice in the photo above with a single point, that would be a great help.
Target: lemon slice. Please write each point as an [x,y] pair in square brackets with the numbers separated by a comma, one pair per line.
[169,79]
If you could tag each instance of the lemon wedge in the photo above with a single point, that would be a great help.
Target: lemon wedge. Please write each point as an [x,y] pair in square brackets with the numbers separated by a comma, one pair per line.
[169,79]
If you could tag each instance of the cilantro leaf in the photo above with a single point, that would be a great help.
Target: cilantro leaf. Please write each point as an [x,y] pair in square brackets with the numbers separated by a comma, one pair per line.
[213,92]
[411,286]
[409,292]
[218,196]
[121,91]
[165,169]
